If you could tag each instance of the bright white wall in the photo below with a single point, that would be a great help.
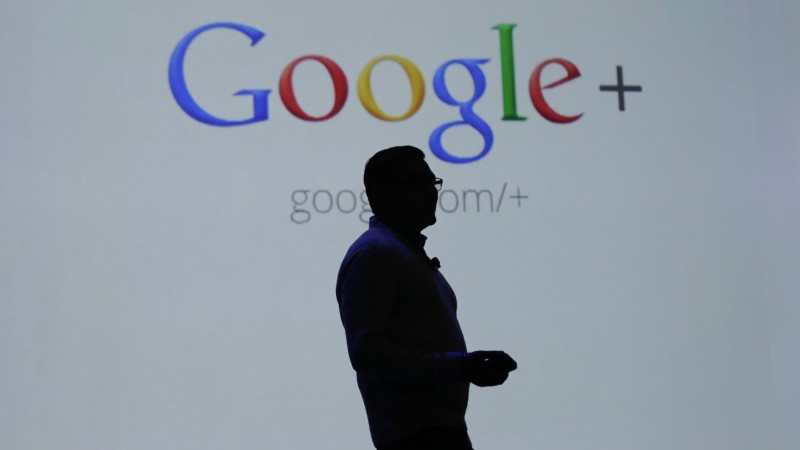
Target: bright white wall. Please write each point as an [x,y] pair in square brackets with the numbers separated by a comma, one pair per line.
[155,293]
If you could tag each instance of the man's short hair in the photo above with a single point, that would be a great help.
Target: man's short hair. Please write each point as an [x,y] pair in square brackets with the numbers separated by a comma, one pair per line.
[382,168]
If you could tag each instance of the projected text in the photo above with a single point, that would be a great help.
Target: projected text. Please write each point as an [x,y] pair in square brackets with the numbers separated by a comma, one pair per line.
[309,203]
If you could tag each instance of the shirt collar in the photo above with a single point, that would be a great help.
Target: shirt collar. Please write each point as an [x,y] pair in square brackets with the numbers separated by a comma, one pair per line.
[402,232]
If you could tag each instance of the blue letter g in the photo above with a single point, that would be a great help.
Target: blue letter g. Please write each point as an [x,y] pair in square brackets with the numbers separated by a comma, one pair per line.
[177,81]
[468,116]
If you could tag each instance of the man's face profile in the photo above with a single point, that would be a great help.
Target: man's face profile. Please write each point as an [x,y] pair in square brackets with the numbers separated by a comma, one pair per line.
[411,195]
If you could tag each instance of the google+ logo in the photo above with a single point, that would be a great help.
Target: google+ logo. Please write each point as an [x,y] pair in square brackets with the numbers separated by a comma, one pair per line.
[469,118]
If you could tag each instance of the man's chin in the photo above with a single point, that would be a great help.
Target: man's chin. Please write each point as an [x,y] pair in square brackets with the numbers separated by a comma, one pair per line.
[431,220]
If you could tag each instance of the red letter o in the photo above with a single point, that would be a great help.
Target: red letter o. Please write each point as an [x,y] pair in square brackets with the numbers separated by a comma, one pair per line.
[286,88]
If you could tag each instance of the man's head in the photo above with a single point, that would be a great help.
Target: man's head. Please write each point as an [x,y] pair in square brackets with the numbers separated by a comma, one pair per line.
[401,187]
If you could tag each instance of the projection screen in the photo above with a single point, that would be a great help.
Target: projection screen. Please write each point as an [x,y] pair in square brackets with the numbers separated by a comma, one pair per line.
[179,181]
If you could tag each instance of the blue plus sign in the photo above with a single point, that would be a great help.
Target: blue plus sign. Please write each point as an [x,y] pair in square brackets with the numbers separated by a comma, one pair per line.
[620,89]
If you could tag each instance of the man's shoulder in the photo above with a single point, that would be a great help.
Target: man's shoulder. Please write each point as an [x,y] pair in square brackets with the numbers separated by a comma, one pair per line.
[378,241]
[375,254]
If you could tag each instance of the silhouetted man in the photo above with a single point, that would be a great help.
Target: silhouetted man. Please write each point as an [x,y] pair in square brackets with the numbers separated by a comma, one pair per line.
[399,316]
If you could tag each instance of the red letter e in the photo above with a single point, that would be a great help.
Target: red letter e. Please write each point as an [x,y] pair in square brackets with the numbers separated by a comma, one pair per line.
[537,97]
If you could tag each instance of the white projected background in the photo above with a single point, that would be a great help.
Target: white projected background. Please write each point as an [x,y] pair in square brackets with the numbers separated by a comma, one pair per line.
[641,265]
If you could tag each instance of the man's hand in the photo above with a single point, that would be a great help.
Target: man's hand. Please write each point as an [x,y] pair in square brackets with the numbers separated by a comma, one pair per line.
[488,368]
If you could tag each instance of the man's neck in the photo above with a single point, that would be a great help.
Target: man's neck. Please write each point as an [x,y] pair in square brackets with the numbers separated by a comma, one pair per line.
[400,226]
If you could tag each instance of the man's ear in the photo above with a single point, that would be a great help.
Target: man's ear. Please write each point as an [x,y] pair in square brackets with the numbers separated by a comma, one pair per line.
[377,198]
[384,197]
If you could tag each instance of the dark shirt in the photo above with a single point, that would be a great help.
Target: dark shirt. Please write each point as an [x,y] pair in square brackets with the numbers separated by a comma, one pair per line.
[403,337]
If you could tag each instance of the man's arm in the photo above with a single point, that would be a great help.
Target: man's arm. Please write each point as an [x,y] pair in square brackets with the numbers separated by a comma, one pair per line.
[368,290]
